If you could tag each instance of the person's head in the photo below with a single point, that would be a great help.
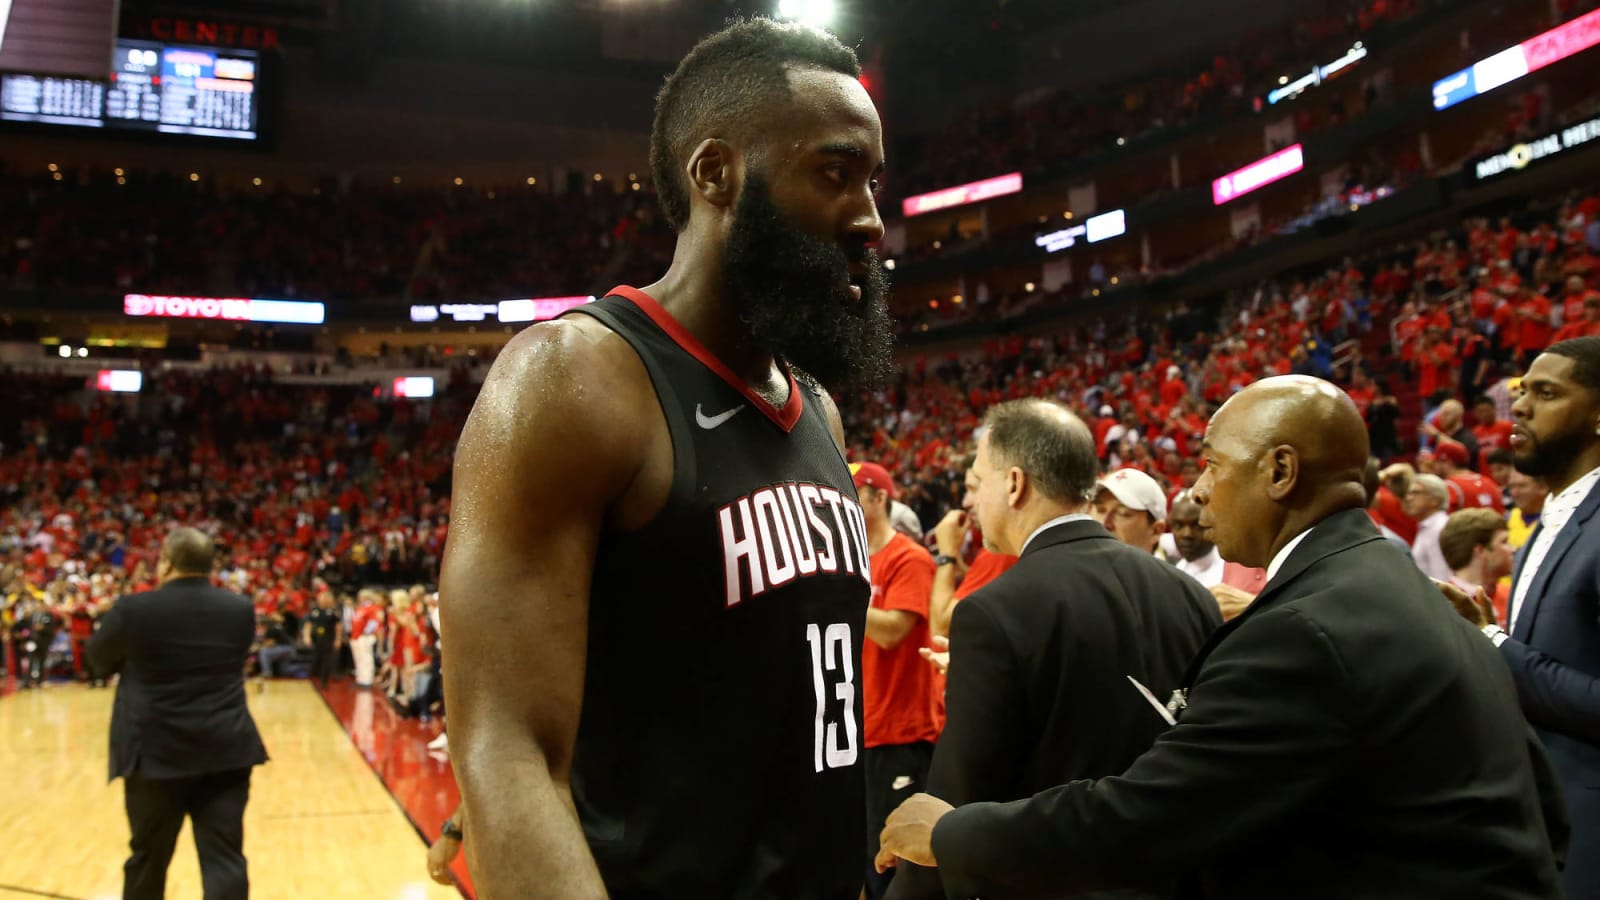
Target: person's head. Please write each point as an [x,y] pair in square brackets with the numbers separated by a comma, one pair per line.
[1428,495]
[1451,458]
[1449,417]
[766,153]
[1575,285]
[969,493]
[1184,520]
[876,488]
[1133,508]
[1528,493]
[1591,309]
[325,599]
[1035,461]
[1556,435]
[1500,466]
[1371,480]
[1476,540]
[186,553]
[397,599]
[1280,456]
[1483,410]
[1397,478]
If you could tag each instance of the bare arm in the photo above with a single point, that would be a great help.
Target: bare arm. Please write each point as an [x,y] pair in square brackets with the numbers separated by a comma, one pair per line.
[888,627]
[552,441]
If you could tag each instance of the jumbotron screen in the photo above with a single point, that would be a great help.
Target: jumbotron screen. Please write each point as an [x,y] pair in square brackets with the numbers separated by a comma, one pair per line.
[153,87]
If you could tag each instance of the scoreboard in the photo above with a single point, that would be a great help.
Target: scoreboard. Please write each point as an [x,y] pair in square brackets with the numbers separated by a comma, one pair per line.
[153,87]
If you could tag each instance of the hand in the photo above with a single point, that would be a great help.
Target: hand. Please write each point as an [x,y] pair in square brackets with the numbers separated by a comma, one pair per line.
[1232,600]
[440,856]
[948,533]
[937,656]
[908,834]
[1474,609]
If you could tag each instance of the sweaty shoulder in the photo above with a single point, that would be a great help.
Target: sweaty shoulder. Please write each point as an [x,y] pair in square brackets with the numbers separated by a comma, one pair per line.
[564,416]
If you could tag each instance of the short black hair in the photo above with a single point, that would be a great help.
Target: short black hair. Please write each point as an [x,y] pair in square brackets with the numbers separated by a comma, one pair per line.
[1055,451]
[189,551]
[1585,355]
[1500,456]
[727,87]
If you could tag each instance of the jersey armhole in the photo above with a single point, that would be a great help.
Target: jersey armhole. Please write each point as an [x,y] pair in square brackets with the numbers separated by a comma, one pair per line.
[683,455]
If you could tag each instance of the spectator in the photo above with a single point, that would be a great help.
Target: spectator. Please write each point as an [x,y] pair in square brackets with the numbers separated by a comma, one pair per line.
[1427,501]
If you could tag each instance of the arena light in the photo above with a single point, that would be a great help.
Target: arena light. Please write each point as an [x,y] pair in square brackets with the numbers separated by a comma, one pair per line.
[538,310]
[813,13]
[1317,75]
[121,381]
[1106,226]
[414,387]
[963,194]
[237,309]
[1512,63]
[1258,174]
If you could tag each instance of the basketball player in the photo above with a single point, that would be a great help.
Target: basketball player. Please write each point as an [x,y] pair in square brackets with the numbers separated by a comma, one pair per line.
[656,584]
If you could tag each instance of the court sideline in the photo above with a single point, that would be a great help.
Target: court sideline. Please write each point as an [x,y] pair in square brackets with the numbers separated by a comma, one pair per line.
[320,823]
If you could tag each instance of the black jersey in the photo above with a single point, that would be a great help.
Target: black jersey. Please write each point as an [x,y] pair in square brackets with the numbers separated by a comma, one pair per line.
[718,754]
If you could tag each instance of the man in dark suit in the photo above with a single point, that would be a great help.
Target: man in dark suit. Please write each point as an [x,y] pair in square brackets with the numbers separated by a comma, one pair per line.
[1553,646]
[182,738]
[1040,658]
[1345,736]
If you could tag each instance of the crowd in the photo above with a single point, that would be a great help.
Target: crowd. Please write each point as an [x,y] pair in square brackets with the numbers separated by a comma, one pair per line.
[163,233]
[328,489]
[1453,314]
[310,492]
[1048,133]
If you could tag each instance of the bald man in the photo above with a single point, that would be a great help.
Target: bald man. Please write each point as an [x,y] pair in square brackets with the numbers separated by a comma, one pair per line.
[182,738]
[1345,736]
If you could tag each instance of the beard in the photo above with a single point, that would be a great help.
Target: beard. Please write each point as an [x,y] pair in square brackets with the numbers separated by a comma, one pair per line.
[792,292]
[1542,457]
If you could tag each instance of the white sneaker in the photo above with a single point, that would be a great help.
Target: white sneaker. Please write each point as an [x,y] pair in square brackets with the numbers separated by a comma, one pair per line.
[441,742]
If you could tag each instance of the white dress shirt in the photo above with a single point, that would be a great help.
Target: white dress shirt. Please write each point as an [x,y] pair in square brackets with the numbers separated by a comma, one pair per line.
[1425,549]
[1058,520]
[1208,569]
[1557,511]
[1278,560]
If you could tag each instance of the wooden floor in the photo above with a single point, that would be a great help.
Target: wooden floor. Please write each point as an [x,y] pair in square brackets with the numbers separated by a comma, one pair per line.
[320,823]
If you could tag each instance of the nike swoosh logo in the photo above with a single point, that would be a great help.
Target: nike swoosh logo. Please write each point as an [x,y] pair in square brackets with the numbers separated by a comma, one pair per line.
[710,422]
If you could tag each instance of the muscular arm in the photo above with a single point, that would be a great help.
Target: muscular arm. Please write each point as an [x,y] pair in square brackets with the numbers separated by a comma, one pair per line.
[553,440]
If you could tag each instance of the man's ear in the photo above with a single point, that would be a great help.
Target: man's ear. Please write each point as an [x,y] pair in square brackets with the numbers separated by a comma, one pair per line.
[1283,471]
[1016,486]
[713,172]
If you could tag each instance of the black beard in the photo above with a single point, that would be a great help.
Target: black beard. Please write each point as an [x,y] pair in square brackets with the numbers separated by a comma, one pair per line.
[791,291]
[1548,456]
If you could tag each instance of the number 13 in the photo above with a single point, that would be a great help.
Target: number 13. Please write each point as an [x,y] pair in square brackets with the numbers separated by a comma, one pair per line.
[831,652]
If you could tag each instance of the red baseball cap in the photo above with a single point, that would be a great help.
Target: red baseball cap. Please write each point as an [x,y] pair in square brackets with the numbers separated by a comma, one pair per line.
[869,474]
[1456,453]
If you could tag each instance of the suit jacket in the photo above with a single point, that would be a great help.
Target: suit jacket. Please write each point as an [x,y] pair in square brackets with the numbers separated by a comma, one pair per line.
[1038,693]
[1554,654]
[1346,736]
[180,708]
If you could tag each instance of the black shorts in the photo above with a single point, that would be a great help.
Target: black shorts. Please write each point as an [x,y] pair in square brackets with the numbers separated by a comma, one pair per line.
[893,774]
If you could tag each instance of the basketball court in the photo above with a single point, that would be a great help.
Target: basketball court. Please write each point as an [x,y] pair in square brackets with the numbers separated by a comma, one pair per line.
[344,809]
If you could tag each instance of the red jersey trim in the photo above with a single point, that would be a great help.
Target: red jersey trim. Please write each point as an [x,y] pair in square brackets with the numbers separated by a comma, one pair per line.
[785,418]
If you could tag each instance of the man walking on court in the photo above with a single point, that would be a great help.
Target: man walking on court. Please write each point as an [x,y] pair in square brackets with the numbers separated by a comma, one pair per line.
[182,738]
[656,585]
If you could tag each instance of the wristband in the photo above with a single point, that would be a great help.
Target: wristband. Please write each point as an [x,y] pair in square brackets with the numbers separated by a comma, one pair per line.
[1495,633]
[942,560]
